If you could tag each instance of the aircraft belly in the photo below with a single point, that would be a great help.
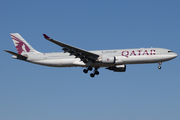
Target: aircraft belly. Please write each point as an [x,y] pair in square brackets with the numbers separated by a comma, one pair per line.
[146,59]
[56,62]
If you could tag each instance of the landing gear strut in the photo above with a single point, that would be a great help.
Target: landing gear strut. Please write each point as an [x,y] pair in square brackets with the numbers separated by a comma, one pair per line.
[159,67]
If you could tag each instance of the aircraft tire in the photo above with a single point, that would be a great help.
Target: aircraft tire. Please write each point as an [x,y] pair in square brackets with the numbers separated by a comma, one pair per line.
[159,67]
[85,71]
[92,75]
[96,72]
[90,68]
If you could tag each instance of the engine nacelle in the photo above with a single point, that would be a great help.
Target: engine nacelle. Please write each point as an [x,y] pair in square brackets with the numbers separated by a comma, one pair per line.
[118,68]
[108,60]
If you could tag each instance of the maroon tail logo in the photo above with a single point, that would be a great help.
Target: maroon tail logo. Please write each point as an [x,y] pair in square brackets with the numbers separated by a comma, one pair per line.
[20,44]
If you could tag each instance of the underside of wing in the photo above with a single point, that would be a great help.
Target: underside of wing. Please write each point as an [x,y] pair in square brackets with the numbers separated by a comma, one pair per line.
[84,55]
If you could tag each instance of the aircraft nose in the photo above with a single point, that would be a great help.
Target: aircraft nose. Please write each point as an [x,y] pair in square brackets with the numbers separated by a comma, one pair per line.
[175,55]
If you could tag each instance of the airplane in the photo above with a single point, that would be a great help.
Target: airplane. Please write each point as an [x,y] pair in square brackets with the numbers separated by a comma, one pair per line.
[114,60]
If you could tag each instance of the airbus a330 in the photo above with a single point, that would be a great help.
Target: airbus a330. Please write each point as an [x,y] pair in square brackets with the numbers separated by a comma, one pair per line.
[114,60]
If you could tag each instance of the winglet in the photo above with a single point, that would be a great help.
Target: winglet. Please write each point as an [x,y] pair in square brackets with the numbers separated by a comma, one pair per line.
[46,37]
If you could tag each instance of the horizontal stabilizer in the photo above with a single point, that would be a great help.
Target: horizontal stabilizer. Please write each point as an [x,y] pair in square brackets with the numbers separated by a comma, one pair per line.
[18,56]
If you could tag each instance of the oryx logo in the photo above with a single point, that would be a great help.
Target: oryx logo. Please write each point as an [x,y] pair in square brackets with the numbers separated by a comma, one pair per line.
[20,45]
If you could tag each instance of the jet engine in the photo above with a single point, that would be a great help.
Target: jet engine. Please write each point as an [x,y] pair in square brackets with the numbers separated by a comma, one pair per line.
[118,68]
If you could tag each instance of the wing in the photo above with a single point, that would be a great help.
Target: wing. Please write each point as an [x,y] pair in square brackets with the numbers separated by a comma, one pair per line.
[84,55]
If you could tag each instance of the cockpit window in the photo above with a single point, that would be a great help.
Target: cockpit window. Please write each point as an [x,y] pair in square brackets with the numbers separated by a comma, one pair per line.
[170,51]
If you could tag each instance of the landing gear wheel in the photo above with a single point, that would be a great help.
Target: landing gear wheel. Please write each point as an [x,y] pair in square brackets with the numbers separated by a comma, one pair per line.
[85,71]
[96,72]
[159,67]
[92,75]
[90,68]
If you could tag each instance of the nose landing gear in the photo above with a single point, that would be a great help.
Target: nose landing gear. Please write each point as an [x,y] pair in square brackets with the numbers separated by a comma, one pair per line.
[159,67]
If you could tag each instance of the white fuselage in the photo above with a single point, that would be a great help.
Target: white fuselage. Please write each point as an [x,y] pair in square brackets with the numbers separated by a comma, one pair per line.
[107,57]
[114,60]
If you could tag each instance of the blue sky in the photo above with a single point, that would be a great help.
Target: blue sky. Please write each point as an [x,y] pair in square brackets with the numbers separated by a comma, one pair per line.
[29,91]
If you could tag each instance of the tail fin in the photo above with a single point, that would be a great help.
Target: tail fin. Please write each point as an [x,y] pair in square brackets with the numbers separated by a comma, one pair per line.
[21,45]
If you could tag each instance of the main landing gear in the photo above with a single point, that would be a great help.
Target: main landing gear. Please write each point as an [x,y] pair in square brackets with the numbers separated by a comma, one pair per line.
[159,67]
[95,72]
[88,69]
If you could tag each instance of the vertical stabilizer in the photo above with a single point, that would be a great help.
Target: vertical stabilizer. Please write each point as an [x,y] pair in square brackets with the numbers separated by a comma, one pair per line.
[21,45]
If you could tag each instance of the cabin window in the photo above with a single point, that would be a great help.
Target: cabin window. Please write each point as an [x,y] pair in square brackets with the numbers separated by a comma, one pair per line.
[170,51]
